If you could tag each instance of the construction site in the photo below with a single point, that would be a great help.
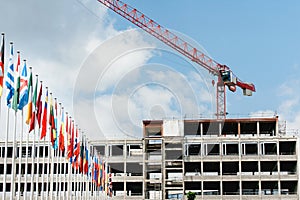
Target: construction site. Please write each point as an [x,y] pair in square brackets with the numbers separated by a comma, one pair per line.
[234,159]
[247,158]
[212,158]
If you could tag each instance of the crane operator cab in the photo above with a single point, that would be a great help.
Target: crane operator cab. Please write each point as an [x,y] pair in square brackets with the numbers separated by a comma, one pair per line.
[228,79]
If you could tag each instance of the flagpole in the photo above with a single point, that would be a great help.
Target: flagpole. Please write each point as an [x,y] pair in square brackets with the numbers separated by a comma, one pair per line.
[57,150]
[58,118]
[69,194]
[92,190]
[8,83]
[44,166]
[59,156]
[23,101]
[2,69]
[60,153]
[21,157]
[95,177]
[49,175]
[35,156]
[68,121]
[65,167]
[86,182]
[5,156]
[80,160]
[51,159]
[78,173]
[85,177]
[26,166]
[12,185]
[43,169]
[33,142]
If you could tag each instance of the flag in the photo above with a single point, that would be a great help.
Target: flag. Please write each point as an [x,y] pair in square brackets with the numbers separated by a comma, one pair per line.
[62,132]
[44,120]
[30,92]
[39,106]
[10,77]
[52,123]
[89,165]
[81,155]
[86,160]
[103,176]
[96,170]
[70,139]
[2,65]
[100,174]
[15,101]
[67,123]
[23,101]
[106,179]
[109,183]
[76,151]
[55,131]
[32,119]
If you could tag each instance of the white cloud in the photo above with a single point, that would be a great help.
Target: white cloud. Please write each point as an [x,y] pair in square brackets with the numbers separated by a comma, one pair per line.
[262,114]
[127,87]
[289,109]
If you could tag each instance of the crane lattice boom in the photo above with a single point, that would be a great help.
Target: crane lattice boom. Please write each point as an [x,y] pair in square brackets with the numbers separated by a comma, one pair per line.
[225,75]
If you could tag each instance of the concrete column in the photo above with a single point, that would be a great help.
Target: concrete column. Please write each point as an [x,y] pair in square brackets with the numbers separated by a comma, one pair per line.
[257,128]
[239,129]
[201,129]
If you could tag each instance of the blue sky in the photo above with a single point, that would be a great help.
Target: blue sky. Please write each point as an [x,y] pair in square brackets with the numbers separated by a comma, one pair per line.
[258,40]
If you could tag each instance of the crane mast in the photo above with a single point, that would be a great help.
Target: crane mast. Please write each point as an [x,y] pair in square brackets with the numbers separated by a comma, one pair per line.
[225,75]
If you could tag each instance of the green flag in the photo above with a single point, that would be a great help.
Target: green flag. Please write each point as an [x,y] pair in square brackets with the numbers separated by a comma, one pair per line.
[17,86]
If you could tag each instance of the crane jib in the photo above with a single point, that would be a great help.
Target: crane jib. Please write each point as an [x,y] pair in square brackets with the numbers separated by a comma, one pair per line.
[184,48]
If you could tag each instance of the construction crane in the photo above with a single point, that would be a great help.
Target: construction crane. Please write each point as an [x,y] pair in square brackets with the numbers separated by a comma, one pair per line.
[225,76]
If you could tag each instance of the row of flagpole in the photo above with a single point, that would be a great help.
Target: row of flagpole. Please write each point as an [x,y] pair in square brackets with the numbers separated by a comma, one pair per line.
[81,157]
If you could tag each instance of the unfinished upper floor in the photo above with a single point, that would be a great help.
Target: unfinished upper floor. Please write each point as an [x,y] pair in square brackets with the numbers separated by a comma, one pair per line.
[245,127]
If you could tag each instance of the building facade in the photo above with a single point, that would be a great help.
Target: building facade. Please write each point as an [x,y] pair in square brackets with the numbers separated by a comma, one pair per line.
[33,170]
[231,159]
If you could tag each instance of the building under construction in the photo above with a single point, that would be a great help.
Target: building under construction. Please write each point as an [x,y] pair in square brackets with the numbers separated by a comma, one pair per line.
[251,158]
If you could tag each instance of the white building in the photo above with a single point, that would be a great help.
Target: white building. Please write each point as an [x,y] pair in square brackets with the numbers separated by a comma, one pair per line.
[232,159]
[38,172]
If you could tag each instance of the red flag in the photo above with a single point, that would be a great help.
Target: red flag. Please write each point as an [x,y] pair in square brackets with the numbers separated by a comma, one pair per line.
[39,107]
[32,122]
[70,140]
[44,122]
[76,151]
[32,119]
[2,65]
[62,132]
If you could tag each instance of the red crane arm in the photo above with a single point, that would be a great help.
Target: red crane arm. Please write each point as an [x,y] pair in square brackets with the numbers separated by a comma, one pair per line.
[225,75]
[169,38]
[163,34]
